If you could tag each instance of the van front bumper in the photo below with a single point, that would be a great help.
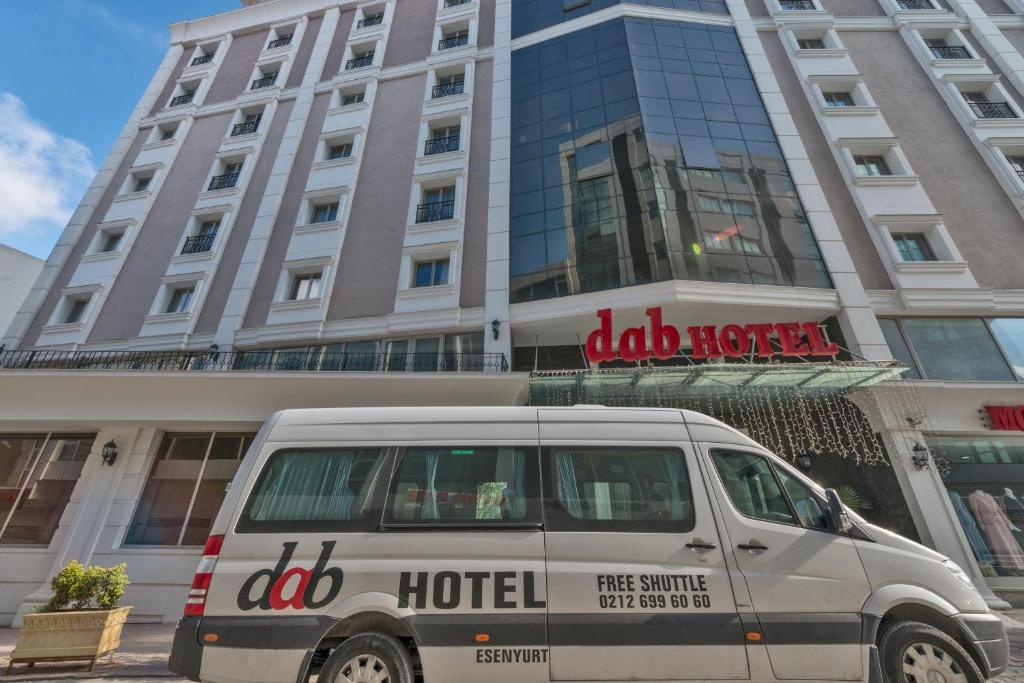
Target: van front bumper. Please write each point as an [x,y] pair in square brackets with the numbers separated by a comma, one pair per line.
[987,634]
[186,651]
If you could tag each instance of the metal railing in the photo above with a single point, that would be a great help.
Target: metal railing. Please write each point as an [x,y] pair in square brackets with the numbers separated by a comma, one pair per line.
[376,20]
[453,41]
[797,5]
[280,42]
[359,62]
[456,3]
[435,211]
[198,244]
[182,99]
[202,59]
[264,82]
[223,182]
[245,128]
[992,110]
[448,89]
[915,4]
[251,361]
[441,145]
[950,52]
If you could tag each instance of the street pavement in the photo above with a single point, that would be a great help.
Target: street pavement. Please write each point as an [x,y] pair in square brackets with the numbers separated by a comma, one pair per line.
[144,649]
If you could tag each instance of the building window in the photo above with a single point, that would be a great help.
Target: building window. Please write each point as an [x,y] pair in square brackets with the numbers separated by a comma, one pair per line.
[871,165]
[955,349]
[913,246]
[342,150]
[185,488]
[110,241]
[899,347]
[350,98]
[370,20]
[181,299]
[438,205]
[325,213]
[453,39]
[202,241]
[452,84]
[360,59]
[1017,164]
[38,473]
[141,182]
[228,178]
[76,310]
[166,131]
[443,139]
[266,77]
[984,108]
[1009,333]
[431,273]
[838,99]
[810,43]
[250,123]
[305,286]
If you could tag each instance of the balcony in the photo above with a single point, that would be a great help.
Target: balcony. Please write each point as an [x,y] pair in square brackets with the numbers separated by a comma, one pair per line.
[264,82]
[797,5]
[950,52]
[455,3]
[280,42]
[441,145]
[453,41]
[223,182]
[245,128]
[182,99]
[432,212]
[375,20]
[448,89]
[914,4]
[251,361]
[202,59]
[198,244]
[359,62]
[992,110]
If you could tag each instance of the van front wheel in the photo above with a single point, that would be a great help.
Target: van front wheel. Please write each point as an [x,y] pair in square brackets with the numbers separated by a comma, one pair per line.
[368,658]
[912,652]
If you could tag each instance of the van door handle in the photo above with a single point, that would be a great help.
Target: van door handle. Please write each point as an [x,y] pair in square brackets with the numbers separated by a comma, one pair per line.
[752,546]
[699,544]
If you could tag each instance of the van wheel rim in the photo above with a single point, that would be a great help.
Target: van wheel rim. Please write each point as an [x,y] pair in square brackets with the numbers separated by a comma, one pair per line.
[927,663]
[364,669]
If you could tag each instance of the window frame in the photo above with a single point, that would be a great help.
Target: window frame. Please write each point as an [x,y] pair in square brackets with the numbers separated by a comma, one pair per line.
[560,521]
[535,519]
[371,523]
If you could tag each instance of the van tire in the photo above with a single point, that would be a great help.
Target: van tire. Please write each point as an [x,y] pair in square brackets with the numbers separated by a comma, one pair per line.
[388,649]
[909,640]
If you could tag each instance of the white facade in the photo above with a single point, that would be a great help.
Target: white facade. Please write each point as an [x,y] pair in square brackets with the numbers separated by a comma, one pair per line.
[18,271]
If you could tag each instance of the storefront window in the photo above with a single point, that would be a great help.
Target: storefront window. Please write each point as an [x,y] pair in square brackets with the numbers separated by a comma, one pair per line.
[38,472]
[1009,333]
[186,487]
[986,488]
[956,349]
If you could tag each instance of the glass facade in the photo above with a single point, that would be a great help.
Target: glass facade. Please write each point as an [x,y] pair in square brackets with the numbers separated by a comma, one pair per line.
[958,349]
[532,15]
[642,152]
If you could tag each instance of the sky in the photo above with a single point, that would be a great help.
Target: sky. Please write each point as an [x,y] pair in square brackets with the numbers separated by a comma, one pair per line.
[76,70]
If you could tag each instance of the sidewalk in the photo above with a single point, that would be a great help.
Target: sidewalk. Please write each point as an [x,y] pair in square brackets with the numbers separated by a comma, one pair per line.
[145,647]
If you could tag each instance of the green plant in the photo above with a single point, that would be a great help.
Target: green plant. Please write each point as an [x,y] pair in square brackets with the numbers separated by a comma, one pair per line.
[853,498]
[77,587]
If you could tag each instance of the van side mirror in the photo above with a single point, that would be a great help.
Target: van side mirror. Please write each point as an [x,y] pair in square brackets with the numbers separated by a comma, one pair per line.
[837,516]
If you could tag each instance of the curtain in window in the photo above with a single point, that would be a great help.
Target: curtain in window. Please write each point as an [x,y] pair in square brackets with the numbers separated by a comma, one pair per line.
[673,467]
[430,509]
[309,486]
[514,496]
[570,494]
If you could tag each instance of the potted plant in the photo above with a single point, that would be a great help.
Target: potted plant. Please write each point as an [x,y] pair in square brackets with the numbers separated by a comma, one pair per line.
[80,622]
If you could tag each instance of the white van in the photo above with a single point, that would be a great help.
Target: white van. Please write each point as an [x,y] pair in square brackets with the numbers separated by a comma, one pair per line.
[528,545]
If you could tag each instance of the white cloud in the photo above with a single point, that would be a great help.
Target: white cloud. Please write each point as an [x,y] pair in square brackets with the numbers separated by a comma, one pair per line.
[42,175]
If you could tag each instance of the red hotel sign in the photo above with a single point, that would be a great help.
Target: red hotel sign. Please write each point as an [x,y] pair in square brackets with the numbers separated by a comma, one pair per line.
[1006,418]
[707,341]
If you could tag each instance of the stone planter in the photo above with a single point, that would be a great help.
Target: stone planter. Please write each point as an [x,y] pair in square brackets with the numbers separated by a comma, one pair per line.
[68,636]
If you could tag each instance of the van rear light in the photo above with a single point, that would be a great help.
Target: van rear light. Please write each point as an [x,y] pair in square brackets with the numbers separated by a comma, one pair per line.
[196,602]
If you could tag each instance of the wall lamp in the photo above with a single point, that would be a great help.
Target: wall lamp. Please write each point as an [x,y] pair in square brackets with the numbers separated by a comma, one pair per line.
[109,453]
[496,328]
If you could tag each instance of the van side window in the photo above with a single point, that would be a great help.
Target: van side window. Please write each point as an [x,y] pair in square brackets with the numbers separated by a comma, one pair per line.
[618,489]
[808,506]
[754,490]
[465,486]
[311,490]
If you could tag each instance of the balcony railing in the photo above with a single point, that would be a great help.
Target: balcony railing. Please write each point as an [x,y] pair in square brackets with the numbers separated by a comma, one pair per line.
[453,41]
[950,52]
[797,5]
[441,145]
[202,59]
[251,361]
[280,42]
[992,110]
[914,4]
[432,212]
[223,182]
[448,89]
[370,21]
[456,3]
[245,128]
[264,82]
[198,244]
[182,99]
[359,62]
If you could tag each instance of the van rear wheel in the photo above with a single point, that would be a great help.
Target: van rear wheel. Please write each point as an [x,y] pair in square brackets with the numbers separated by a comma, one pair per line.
[912,652]
[368,658]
